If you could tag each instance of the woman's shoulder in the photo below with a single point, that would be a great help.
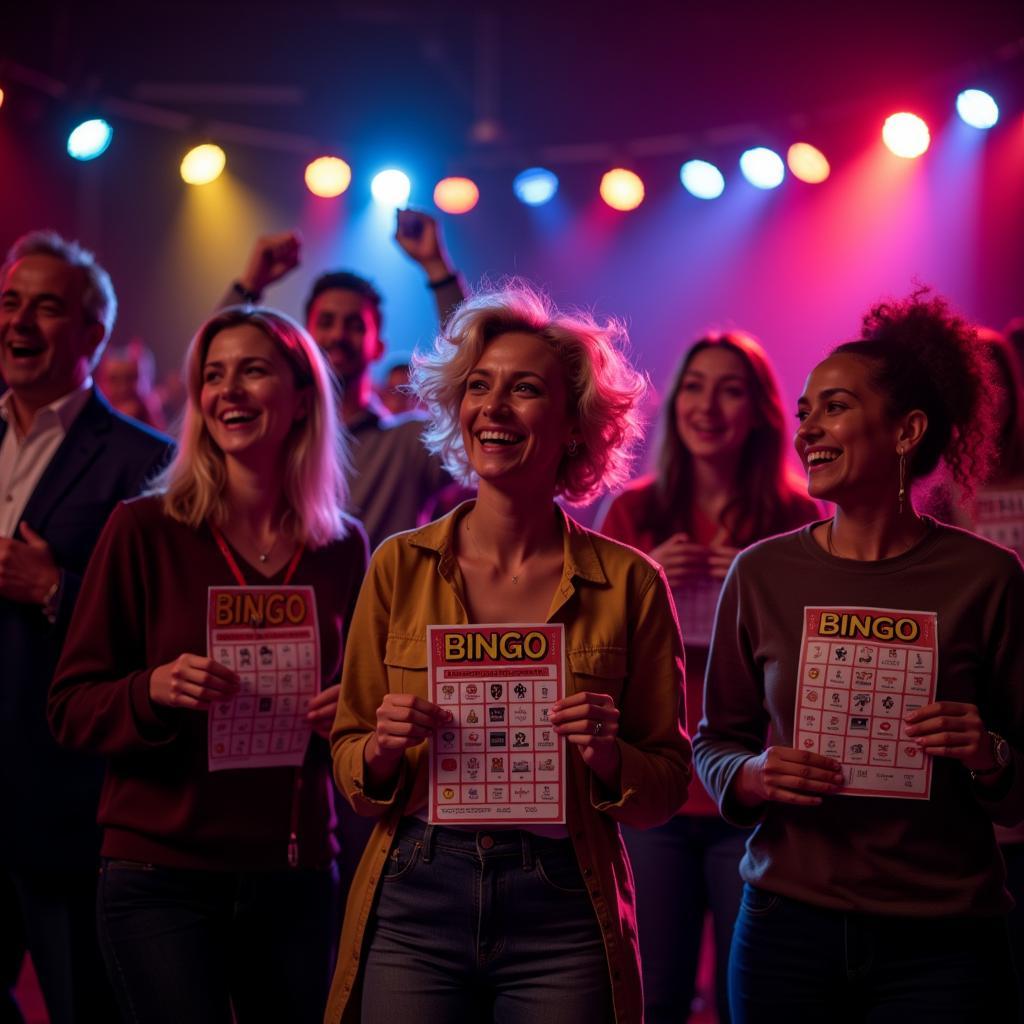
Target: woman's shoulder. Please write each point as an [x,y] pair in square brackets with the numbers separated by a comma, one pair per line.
[616,559]
[982,555]
[144,513]
[779,550]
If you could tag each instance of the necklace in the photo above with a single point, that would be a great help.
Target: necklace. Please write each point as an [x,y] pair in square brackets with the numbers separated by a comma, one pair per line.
[265,555]
[472,540]
[828,538]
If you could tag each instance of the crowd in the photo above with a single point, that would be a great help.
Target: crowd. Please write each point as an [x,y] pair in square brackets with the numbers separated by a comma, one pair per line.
[726,599]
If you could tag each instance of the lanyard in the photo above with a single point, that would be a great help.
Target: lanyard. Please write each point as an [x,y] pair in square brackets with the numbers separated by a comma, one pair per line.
[237,572]
[293,830]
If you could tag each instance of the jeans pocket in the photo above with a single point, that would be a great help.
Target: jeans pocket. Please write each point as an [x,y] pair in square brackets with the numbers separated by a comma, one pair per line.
[560,871]
[758,901]
[404,856]
[127,865]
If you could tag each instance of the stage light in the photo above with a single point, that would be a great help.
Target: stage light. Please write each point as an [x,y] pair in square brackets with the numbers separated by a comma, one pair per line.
[1,97]
[622,189]
[807,163]
[906,135]
[763,167]
[702,179]
[90,139]
[977,108]
[203,164]
[456,195]
[328,176]
[535,186]
[391,188]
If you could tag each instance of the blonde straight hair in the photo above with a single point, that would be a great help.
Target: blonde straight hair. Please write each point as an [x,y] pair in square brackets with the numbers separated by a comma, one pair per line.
[314,487]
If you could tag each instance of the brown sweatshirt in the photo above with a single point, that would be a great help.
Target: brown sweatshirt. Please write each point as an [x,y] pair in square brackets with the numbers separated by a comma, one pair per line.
[143,603]
[870,854]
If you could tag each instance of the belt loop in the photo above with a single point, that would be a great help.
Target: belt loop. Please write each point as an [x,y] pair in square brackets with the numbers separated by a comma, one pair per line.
[428,843]
[527,843]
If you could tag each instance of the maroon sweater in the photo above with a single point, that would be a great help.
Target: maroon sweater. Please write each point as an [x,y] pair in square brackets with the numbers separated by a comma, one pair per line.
[142,604]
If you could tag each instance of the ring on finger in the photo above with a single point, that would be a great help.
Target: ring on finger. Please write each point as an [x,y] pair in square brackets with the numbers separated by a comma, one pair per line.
[598,726]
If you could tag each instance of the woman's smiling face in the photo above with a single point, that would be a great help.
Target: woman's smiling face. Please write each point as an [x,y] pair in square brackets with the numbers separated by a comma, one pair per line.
[847,440]
[714,407]
[514,413]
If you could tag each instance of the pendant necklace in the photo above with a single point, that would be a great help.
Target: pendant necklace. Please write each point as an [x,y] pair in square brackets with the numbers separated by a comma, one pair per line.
[472,540]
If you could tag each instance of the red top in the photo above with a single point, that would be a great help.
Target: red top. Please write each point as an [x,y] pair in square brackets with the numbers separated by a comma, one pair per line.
[142,604]
[627,520]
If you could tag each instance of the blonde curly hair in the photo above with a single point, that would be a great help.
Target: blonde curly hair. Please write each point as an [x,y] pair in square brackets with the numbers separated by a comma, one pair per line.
[604,390]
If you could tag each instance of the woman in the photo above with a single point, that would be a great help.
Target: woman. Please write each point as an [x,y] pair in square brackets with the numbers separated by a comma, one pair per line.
[867,906]
[451,924]
[216,886]
[721,484]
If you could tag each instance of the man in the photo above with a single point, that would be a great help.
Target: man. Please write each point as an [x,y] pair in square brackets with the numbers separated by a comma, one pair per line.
[126,377]
[393,477]
[66,459]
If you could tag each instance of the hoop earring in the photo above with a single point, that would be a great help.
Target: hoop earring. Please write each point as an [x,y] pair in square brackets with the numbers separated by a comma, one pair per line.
[902,495]
[572,448]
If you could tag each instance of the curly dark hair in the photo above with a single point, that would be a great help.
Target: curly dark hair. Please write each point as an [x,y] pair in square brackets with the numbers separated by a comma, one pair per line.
[924,356]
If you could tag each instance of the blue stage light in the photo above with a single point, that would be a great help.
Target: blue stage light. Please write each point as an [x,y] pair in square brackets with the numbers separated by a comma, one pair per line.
[391,188]
[763,167]
[977,108]
[702,179]
[90,139]
[535,186]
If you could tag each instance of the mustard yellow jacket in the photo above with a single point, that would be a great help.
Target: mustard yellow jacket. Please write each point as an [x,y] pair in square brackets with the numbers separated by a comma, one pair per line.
[621,638]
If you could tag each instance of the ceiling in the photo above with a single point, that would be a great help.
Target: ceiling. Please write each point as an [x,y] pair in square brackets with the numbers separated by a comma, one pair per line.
[517,76]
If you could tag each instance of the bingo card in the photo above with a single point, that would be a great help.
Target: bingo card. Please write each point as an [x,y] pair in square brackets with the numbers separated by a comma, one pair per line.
[1000,518]
[861,671]
[497,759]
[269,636]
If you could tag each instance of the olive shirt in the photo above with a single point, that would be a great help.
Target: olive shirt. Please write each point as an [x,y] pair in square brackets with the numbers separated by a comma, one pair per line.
[621,638]
[871,855]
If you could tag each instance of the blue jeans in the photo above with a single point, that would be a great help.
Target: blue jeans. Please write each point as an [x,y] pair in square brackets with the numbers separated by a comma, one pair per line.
[799,963]
[482,926]
[684,868]
[196,945]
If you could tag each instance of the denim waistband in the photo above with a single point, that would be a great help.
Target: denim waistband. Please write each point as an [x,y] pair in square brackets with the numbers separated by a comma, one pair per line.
[499,842]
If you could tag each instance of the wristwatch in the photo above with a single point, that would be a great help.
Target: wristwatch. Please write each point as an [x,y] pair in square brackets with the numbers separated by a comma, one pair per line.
[1001,753]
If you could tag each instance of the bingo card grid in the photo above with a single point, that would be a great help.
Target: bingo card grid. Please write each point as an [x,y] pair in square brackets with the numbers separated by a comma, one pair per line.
[278,679]
[504,727]
[852,698]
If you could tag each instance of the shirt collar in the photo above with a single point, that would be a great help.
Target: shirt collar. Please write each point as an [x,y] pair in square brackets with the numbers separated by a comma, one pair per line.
[65,409]
[372,415]
[580,559]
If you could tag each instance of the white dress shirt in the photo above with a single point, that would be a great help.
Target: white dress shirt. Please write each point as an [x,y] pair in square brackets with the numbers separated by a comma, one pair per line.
[23,460]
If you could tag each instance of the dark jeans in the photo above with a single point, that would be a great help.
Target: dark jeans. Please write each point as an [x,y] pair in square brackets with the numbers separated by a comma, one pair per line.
[799,963]
[481,926]
[193,945]
[684,868]
[55,917]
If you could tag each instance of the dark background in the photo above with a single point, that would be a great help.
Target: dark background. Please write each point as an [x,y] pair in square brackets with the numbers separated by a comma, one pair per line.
[487,90]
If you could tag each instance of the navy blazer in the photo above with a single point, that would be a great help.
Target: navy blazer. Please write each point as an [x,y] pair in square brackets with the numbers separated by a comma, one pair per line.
[48,796]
